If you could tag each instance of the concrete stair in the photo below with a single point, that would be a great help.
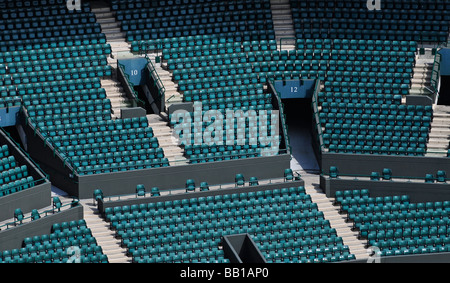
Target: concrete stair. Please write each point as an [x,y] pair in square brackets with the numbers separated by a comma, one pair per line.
[164,133]
[103,234]
[111,28]
[331,213]
[117,96]
[421,80]
[439,136]
[283,23]
[116,39]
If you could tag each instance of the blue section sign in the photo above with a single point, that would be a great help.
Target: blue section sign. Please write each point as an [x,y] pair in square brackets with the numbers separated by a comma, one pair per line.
[9,116]
[295,88]
[445,61]
[134,68]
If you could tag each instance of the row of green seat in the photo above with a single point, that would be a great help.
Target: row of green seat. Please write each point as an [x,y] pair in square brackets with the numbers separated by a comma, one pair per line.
[383,109]
[356,14]
[295,59]
[171,7]
[37,12]
[221,48]
[352,44]
[85,69]
[55,31]
[63,97]
[246,32]
[28,4]
[48,21]
[101,167]
[79,117]
[389,5]
[377,88]
[243,17]
[55,53]
[135,127]
[68,108]
[429,36]
[340,126]
[226,92]
[52,42]
[363,98]
[57,86]
[111,141]
[184,41]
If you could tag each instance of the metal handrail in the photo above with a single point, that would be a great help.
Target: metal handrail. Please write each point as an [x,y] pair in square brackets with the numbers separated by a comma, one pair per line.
[48,140]
[156,78]
[315,107]
[435,74]
[381,177]
[220,186]
[74,201]
[282,117]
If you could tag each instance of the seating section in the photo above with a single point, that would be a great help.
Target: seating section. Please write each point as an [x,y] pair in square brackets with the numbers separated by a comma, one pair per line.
[396,225]
[58,79]
[378,129]
[143,20]
[363,83]
[205,44]
[284,223]
[68,242]
[13,176]
[424,21]
[243,138]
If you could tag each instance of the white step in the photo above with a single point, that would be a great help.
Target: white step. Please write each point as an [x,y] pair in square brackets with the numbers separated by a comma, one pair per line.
[161,130]
[103,235]
[337,221]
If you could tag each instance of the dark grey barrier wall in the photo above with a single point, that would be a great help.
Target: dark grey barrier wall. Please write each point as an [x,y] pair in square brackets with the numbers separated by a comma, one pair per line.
[12,238]
[103,204]
[44,154]
[165,178]
[417,191]
[132,112]
[418,100]
[241,248]
[187,106]
[401,166]
[33,198]
[125,182]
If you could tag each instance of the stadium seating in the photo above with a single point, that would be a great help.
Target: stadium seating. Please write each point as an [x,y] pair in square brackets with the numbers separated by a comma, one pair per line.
[284,223]
[14,177]
[396,225]
[396,20]
[222,54]
[68,242]
[58,80]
